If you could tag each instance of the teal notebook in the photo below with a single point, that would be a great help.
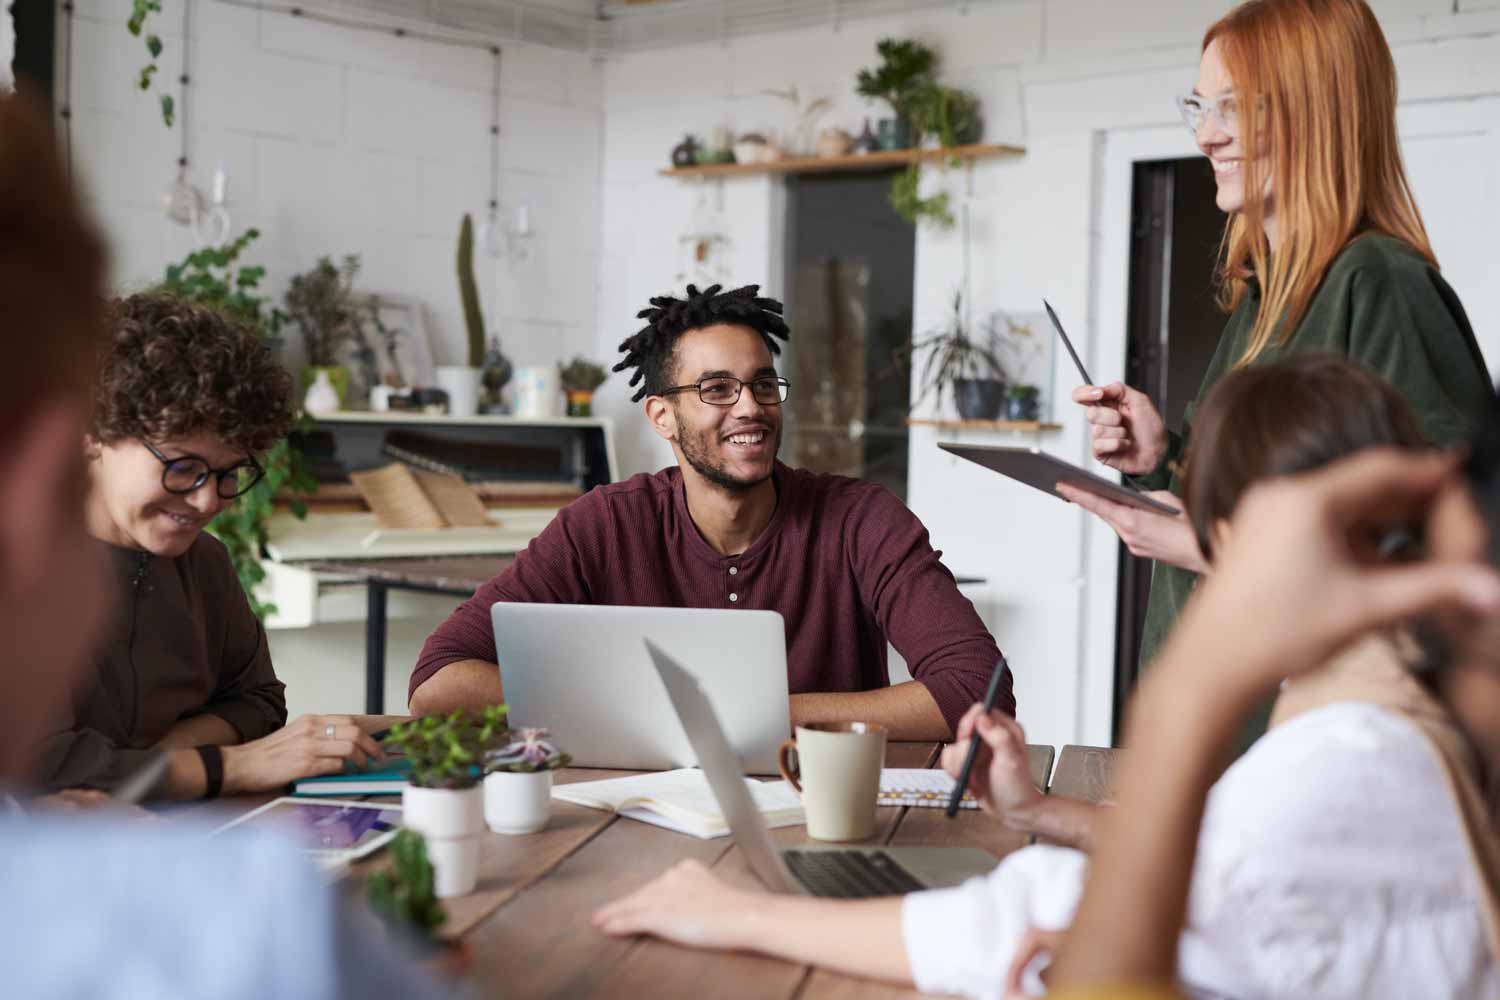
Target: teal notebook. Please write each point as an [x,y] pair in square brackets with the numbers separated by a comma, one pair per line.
[388,780]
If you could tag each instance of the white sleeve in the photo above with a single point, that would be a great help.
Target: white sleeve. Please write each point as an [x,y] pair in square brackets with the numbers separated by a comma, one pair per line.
[961,940]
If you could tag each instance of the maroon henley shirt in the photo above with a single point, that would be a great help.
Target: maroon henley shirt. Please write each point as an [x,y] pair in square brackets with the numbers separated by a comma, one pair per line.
[844,562]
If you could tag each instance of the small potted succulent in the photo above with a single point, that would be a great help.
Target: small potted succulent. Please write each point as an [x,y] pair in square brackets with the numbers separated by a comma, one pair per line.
[1023,402]
[580,377]
[518,782]
[402,895]
[443,799]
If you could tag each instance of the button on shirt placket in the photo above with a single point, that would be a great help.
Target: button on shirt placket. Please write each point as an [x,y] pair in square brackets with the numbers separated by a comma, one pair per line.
[731,585]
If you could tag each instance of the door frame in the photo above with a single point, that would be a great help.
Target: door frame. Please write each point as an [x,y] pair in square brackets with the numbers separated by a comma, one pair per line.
[1118,151]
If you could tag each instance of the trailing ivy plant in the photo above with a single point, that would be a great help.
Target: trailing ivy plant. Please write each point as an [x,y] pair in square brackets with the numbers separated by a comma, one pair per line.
[140,11]
[216,278]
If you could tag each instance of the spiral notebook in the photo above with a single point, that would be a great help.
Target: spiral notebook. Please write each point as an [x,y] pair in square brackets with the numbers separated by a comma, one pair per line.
[919,786]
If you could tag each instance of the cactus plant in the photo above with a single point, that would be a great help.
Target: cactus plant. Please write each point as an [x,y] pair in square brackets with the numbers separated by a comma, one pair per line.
[468,290]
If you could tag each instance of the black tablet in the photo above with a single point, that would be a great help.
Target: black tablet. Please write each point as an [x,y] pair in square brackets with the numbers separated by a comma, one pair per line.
[1044,472]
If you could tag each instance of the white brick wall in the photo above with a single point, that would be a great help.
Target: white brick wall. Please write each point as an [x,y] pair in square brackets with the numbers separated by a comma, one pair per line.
[345,141]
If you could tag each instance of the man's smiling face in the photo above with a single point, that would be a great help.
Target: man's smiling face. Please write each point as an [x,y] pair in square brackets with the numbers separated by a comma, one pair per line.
[734,446]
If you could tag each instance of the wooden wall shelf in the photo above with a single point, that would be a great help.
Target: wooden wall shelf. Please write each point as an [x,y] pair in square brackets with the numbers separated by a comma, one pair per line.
[1029,426]
[869,161]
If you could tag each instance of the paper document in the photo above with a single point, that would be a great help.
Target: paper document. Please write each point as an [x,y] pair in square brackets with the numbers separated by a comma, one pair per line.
[681,800]
[919,786]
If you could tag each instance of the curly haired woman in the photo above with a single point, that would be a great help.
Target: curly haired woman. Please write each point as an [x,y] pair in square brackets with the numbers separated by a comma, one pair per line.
[184,401]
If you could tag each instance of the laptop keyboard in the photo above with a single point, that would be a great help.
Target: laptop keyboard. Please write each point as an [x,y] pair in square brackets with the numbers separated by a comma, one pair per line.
[850,874]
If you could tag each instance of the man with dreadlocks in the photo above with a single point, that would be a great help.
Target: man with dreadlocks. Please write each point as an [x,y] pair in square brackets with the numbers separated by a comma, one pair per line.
[844,562]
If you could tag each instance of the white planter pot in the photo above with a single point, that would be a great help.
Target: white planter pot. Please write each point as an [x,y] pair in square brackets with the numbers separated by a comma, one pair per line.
[321,396]
[517,801]
[461,383]
[451,820]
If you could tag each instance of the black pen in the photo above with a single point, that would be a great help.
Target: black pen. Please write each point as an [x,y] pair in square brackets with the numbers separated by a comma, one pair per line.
[963,775]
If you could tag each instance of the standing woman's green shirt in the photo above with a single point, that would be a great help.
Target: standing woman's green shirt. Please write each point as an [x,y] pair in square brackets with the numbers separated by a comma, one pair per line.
[1381,304]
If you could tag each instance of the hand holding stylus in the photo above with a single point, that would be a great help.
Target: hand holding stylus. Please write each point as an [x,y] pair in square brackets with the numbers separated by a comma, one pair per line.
[1125,429]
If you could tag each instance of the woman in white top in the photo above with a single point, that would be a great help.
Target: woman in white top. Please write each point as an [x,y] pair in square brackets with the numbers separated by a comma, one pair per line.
[1331,862]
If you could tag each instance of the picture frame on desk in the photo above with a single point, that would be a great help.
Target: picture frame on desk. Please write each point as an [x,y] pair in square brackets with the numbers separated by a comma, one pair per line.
[395,330]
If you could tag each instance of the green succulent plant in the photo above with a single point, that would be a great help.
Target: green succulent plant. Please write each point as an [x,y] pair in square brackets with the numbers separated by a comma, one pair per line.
[449,751]
[403,894]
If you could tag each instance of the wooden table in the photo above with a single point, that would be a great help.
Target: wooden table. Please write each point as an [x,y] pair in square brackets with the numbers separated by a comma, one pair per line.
[527,923]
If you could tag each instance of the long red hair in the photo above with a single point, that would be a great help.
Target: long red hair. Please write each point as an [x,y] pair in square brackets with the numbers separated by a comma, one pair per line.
[1316,88]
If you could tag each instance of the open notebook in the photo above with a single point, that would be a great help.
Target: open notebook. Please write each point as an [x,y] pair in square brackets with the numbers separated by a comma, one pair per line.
[681,800]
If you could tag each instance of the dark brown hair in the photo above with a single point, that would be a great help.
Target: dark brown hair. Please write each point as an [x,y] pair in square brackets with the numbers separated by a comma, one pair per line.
[172,369]
[52,265]
[1291,416]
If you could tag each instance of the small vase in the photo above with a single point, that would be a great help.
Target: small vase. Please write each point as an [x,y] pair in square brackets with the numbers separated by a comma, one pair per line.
[866,141]
[517,802]
[451,820]
[686,153]
[461,383]
[895,133]
[1027,407]
[497,372]
[322,398]
[580,403]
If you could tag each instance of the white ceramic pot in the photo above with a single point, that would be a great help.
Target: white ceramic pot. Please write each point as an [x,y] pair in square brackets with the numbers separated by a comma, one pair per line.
[452,821]
[321,396]
[517,801]
[537,390]
[461,383]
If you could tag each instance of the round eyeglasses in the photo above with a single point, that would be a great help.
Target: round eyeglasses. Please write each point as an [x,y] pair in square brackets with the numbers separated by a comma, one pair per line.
[1196,110]
[187,474]
[724,390]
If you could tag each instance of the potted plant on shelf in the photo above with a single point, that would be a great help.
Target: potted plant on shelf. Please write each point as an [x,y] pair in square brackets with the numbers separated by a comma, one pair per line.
[958,362]
[1023,402]
[443,799]
[461,382]
[580,377]
[321,303]
[518,782]
[906,66]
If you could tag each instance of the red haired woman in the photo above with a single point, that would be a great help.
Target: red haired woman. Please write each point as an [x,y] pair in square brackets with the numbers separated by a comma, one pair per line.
[1324,250]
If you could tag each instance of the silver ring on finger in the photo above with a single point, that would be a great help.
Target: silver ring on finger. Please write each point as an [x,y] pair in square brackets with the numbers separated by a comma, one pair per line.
[328,731]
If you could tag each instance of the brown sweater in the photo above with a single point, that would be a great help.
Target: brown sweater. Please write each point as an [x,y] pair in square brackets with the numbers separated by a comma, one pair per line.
[182,642]
[844,562]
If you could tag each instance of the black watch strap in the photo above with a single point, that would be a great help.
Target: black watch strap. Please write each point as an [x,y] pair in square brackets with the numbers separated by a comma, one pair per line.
[213,770]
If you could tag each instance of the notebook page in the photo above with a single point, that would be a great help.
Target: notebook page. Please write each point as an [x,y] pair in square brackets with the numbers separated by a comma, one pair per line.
[681,800]
[919,786]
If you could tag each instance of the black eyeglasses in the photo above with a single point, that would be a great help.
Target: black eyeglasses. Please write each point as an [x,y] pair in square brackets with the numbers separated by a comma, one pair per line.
[724,390]
[187,474]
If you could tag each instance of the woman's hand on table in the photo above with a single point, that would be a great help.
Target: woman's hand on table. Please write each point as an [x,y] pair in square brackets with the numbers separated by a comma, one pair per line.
[687,904]
[1125,429]
[1145,533]
[307,746]
[1001,779]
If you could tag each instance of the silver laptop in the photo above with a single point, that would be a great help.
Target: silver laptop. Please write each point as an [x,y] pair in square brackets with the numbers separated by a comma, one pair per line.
[811,870]
[581,671]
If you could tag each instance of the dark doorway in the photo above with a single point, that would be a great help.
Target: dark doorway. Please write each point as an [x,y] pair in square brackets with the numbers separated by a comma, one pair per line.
[36,33]
[1173,328]
[851,264]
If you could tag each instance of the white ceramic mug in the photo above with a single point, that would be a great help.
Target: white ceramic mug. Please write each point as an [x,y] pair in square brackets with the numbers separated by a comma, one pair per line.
[536,390]
[838,765]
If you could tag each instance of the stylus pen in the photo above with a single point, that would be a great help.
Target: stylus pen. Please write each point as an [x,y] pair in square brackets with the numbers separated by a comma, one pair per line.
[963,775]
[1057,325]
